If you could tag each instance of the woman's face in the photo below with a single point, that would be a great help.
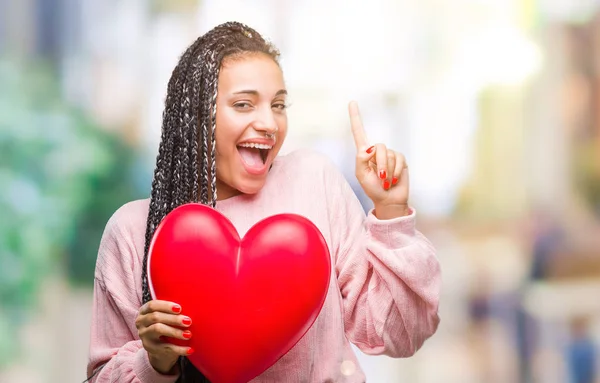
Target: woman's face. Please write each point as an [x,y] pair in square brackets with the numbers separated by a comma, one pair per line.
[251,122]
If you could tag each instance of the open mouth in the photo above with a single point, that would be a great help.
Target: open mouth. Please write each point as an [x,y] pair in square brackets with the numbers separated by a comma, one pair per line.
[254,154]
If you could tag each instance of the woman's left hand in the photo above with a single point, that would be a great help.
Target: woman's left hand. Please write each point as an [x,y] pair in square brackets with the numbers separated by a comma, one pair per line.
[381,171]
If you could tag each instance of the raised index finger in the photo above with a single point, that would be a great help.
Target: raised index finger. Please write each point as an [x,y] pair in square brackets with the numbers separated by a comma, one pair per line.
[360,137]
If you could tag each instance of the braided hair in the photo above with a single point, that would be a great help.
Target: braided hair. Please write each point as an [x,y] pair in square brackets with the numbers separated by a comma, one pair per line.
[185,169]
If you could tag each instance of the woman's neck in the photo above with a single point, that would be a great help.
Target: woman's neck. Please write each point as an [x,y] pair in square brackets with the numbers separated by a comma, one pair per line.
[225,191]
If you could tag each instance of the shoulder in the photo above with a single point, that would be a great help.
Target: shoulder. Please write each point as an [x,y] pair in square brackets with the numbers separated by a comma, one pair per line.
[129,219]
[131,214]
[123,235]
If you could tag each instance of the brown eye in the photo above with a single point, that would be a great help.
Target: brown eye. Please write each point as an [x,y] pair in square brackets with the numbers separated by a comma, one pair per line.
[242,105]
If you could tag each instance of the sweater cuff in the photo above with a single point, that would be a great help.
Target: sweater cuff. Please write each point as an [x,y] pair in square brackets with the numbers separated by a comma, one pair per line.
[392,233]
[146,373]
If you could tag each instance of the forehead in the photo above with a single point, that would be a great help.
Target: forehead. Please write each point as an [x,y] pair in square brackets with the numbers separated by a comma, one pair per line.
[256,71]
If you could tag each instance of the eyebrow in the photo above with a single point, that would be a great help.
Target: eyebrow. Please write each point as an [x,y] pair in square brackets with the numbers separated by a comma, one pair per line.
[255,92]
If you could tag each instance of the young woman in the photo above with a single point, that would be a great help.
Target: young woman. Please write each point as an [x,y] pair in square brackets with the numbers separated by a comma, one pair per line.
[223,125]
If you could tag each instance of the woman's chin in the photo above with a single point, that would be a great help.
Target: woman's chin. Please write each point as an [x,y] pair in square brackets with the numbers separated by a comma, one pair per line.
[250,186]
[240,185]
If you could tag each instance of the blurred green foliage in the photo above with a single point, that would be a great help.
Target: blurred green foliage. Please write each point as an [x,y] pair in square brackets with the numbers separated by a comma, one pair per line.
[61,178]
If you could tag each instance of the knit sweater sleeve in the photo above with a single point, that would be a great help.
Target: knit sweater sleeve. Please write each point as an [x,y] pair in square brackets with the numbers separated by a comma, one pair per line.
[116,352]
[387,271]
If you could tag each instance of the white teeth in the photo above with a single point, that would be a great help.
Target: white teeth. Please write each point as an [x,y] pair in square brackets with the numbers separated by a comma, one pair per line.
[257,146]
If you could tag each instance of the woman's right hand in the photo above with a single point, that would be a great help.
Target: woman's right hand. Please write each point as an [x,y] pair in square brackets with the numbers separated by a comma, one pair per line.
[157,319]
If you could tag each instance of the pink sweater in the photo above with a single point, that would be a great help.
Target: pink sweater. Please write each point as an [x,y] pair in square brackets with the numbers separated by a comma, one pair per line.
[383,296]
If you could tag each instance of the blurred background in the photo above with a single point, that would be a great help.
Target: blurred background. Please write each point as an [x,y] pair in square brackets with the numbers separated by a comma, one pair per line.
[495,103]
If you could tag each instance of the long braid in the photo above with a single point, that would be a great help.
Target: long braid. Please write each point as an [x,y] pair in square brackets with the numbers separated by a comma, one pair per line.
[159,184]
[211,84]
[162,185]
[206,93]
[194,137]
[186,163]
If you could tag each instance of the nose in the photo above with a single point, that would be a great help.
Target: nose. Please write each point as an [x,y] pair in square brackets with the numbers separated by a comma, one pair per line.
[265,121]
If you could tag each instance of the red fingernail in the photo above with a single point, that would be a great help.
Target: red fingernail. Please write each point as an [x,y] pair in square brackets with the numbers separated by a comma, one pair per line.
[176,309]
[394,180]
[382,174]
[190,351]
[187,334]
[370,150]
[186,321]
[386,185]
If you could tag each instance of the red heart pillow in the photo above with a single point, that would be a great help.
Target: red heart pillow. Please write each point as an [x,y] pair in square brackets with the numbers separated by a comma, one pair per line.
[251,299]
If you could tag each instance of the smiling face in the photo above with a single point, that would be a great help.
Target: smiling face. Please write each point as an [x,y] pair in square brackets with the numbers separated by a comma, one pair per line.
[251,122]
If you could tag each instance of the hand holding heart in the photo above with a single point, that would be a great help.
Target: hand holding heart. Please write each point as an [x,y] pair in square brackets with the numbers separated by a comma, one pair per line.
[381,171]
[159,319]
